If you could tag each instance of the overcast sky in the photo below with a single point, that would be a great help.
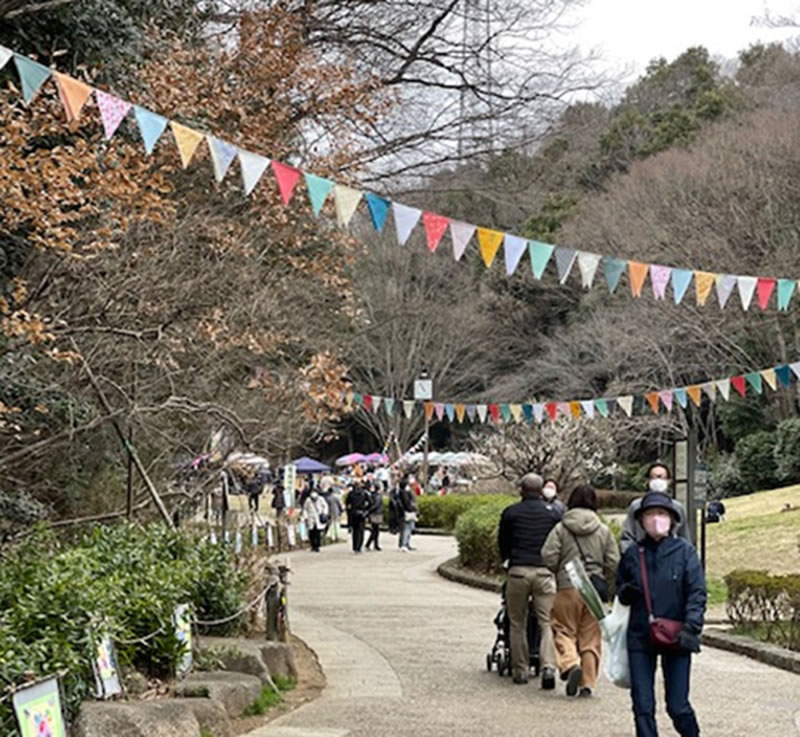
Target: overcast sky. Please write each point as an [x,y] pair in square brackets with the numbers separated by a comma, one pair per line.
[630,33]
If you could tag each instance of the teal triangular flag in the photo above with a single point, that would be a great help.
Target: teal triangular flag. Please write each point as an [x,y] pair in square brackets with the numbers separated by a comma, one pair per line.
[754,379]
[388,405]
[785,292]
[505,410]
[318,190]
[378,210]
[32,76]
[681,279]
[358,399]
[450,409]
[681,396]
[527,410]
[151,126]
[540,257]
[784,374]
[601,405]
[613,269]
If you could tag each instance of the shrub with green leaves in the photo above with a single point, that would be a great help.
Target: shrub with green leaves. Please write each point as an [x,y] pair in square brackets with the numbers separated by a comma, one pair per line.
[756,457]
[787,451]
[725,478]
[127,577]
[441,512]
[476,535]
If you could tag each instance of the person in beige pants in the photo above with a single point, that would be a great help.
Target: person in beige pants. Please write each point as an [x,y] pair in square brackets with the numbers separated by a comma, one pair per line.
[523,529]
[579,536]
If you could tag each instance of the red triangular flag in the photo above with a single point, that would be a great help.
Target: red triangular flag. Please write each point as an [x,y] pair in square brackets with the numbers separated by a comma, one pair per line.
[737,382]
[435,228]
[287,177]
[552,410]
[367,401]
[764,289]
[494,411]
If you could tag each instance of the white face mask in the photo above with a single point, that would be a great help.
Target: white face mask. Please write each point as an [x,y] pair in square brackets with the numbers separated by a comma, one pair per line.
[660,485]
[549,493]
[314,495]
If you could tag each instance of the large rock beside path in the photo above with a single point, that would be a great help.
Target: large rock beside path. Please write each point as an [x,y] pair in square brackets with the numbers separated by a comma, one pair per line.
[169,718]
[257,657]
[236,691]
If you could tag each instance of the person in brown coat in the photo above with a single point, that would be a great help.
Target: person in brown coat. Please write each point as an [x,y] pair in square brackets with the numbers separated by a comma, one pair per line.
[579,536]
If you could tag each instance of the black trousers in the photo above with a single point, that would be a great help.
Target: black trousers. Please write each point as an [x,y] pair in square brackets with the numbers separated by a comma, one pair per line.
[374,534]
[357,531]
[315,537]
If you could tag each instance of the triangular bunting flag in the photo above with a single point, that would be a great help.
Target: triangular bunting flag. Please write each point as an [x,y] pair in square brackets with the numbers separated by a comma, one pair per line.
[710,388]
[516,412]
[538,413]
[5,56]
[703,281]
[665,395]
[695,394]
[725,285]
[222,155]
[151,126]
[32,76]
[253,167]
[388,405]
[588,406]
[527,410]
[659,278]
[376,403]
[378,210]
[113,111]
[472,411]
[405,220]
[754,380]
[318,189]
[439,409]
[346,200]
[489,243]
[565,409]
[681,279]
[367,401]
[513,247]
[540,257]
[637,271]
[680,395]
[408,408]
[73,93]
[602,406]
[724,387]
[461,234]
[286,176]
[575,409]
[764,289]
[652,400]
[783,374]
[428,410]
[494,411]
[587,264]
[785,291]
[769,377]
[187,141]
[358,399]
[626,404]
[795,368]
[737,382]
[481,410]
[613,268]
[450,411]
[552,410]
[565,258]
[460,411]
[435,227]
[747,286]
[505,411]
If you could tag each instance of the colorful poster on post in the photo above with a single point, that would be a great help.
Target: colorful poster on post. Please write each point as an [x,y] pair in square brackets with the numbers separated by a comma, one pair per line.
[106,673]
[38,709]
[182,622]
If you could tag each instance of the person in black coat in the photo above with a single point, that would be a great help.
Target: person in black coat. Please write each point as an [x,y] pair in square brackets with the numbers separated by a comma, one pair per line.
[375,516]
[357,506]
[676,590]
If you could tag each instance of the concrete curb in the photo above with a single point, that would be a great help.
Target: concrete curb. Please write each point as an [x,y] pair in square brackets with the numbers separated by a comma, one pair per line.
[763,652]
[451,570]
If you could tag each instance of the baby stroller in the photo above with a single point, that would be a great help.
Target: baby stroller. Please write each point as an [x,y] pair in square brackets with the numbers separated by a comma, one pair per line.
[501,650]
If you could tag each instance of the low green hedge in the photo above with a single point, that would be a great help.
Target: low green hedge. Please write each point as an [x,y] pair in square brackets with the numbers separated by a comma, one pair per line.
[476,535]
[441,512]
[129,577]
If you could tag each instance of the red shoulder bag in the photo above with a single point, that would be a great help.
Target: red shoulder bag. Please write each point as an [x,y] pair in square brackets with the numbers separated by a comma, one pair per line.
[663,631]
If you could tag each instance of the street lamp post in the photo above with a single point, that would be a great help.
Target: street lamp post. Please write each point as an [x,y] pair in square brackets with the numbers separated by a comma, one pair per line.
[423,391]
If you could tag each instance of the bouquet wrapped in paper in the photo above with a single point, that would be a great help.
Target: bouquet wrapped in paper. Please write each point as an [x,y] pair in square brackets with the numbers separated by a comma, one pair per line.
[583,585]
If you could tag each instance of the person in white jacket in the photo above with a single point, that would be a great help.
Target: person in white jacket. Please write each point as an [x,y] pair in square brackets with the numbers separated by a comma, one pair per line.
[316,512]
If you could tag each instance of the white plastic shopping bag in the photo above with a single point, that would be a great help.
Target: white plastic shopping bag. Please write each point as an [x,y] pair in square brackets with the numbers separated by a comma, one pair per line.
[615,645]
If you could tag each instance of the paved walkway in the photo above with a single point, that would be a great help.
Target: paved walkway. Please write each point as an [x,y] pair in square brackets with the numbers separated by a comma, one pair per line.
[404,654]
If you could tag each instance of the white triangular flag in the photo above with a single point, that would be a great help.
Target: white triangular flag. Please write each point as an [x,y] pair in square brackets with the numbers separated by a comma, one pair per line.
[626,403]
[795,368]
[222,154]
[5,56]
[710,388]
[588,404]
[346,200]
[408,408]
[405,219]
[482,409]
[747,286]
[461,234]
[588,263]
[538,413]
[513,247]
[376,403]
[253,166]
[724,386]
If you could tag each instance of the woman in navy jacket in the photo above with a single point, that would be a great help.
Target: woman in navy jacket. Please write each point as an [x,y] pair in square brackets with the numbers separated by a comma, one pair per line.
[677,591]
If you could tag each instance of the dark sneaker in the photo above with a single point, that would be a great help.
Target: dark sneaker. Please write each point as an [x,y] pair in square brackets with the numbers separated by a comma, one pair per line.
[574,676]
[548,678]
[585,693]
[520,678]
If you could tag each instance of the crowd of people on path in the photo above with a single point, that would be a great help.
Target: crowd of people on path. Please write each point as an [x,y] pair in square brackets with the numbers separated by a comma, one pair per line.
[656,572]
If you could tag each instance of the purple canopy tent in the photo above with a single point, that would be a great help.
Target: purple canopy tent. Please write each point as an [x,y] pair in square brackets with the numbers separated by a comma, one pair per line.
[350,460]
[309,465]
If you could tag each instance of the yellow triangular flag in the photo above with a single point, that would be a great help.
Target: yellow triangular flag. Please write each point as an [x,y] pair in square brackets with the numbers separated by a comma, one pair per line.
[460,410]
[347,200]
[73,94]
[703,281]
[489,242]
[187,139]
[694,393]
[769,377]
[516,411]
[575,408]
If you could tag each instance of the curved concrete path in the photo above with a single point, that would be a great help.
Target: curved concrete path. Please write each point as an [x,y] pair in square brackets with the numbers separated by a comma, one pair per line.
[404,654]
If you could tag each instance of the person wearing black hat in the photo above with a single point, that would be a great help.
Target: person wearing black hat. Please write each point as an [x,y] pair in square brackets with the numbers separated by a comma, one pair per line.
[662,581]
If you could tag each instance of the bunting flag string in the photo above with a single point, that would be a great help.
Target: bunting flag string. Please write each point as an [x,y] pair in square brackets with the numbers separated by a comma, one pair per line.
[653,402]
[75,94]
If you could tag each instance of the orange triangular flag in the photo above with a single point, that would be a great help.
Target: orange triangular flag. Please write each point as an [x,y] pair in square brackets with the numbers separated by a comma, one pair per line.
[428,411]
[460,410]
[73,94]
[575,408]
[652,399]
[187,139]
[489,242]
[703,281]
[695,393]
[638,273]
